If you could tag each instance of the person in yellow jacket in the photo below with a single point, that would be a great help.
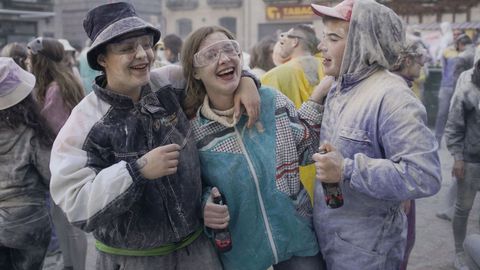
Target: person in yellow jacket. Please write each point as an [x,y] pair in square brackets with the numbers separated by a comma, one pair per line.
[298,77]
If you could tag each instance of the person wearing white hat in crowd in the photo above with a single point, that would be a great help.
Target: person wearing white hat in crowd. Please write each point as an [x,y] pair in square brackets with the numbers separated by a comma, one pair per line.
[69,59]
[125,165]
[25,144]
[57,91]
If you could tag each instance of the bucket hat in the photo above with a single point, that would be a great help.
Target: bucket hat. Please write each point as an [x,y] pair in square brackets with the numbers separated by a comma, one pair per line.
[15,83]
[106,22]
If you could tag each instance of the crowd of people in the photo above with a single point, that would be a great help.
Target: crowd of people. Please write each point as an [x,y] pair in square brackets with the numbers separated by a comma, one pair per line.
[134,138]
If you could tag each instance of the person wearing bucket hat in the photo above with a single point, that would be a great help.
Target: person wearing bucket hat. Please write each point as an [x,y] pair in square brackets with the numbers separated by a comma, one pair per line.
[380,151]
[125,165]
[24,157]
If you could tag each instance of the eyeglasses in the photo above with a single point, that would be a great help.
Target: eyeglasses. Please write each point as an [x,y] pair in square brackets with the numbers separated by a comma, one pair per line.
[287,35]
[211,54]
[130,46]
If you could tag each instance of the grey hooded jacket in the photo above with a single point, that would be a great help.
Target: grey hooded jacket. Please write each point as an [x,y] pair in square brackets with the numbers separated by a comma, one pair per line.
[374,120]
[462,132]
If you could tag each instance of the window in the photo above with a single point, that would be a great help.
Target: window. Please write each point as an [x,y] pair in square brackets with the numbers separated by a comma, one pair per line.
[184,27]
[230,23]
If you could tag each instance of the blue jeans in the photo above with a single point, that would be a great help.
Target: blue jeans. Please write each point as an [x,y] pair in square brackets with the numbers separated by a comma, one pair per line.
[198,255]
[466,192]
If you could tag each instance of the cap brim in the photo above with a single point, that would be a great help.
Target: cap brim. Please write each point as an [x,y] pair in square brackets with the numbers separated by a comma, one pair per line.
[327,11]
[118,28]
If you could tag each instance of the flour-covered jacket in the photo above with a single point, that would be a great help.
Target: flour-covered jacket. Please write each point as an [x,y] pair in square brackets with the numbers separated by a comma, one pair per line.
[24,173]
[374,120]
[24,178]
[95,179]
[257,171]
[462,132]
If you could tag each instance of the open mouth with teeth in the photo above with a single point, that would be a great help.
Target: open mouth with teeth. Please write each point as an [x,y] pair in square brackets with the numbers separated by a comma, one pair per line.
[140,67]
[226,74]
[327,61]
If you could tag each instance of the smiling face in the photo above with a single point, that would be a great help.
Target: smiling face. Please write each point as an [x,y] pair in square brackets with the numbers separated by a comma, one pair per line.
[127,64]
[333,45]
[287,43]
[218,66]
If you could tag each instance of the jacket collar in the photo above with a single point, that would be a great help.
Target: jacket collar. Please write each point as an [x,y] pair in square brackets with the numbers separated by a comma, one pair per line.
[148,99]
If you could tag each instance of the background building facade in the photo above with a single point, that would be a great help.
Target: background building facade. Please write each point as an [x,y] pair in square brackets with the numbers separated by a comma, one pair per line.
[249,20]
[20,20]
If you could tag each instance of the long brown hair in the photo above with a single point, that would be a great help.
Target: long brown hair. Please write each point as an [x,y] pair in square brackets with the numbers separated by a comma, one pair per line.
[47,67]
[195,89]
[27,113]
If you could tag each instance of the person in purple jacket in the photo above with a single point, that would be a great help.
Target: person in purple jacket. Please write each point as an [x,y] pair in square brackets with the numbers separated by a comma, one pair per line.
[379,149]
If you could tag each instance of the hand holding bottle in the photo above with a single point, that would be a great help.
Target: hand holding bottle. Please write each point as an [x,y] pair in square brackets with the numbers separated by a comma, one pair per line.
[331,188]
[215,216]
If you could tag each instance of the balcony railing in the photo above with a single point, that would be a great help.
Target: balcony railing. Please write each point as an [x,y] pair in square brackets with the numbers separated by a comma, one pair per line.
[225,3]
[182,4]
[29,5]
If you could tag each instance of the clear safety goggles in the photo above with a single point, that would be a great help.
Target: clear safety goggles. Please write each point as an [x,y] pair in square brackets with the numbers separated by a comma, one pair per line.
[130,45]
[211,54]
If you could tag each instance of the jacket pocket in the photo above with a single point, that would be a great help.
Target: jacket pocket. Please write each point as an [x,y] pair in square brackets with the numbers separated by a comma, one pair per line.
[350,256]
[353,141]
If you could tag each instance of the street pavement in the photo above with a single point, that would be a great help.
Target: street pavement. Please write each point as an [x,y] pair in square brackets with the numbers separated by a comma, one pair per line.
[433,250]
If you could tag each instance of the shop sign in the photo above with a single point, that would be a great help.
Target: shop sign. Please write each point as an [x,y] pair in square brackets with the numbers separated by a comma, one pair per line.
[289,12]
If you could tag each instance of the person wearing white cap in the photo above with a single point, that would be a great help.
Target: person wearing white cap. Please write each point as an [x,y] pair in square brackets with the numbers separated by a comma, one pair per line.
[57,92]
[69,59]
[25,143]
[380,151]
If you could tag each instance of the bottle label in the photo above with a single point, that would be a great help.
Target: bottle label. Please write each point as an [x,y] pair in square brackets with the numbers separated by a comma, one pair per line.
[333,195]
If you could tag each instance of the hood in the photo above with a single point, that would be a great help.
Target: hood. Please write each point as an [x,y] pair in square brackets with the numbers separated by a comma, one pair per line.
[9,137]
[375,38]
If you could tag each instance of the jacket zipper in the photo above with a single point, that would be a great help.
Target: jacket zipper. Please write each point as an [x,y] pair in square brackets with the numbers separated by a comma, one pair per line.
[260,198]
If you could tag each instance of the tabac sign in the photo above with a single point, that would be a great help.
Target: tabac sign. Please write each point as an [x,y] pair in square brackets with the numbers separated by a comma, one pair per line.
[289,12]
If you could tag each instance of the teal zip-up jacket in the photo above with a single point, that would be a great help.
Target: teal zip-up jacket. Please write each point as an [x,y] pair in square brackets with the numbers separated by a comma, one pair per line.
[257,172]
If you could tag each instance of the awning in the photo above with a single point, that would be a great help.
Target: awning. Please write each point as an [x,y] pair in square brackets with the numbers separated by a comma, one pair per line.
[27,14]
